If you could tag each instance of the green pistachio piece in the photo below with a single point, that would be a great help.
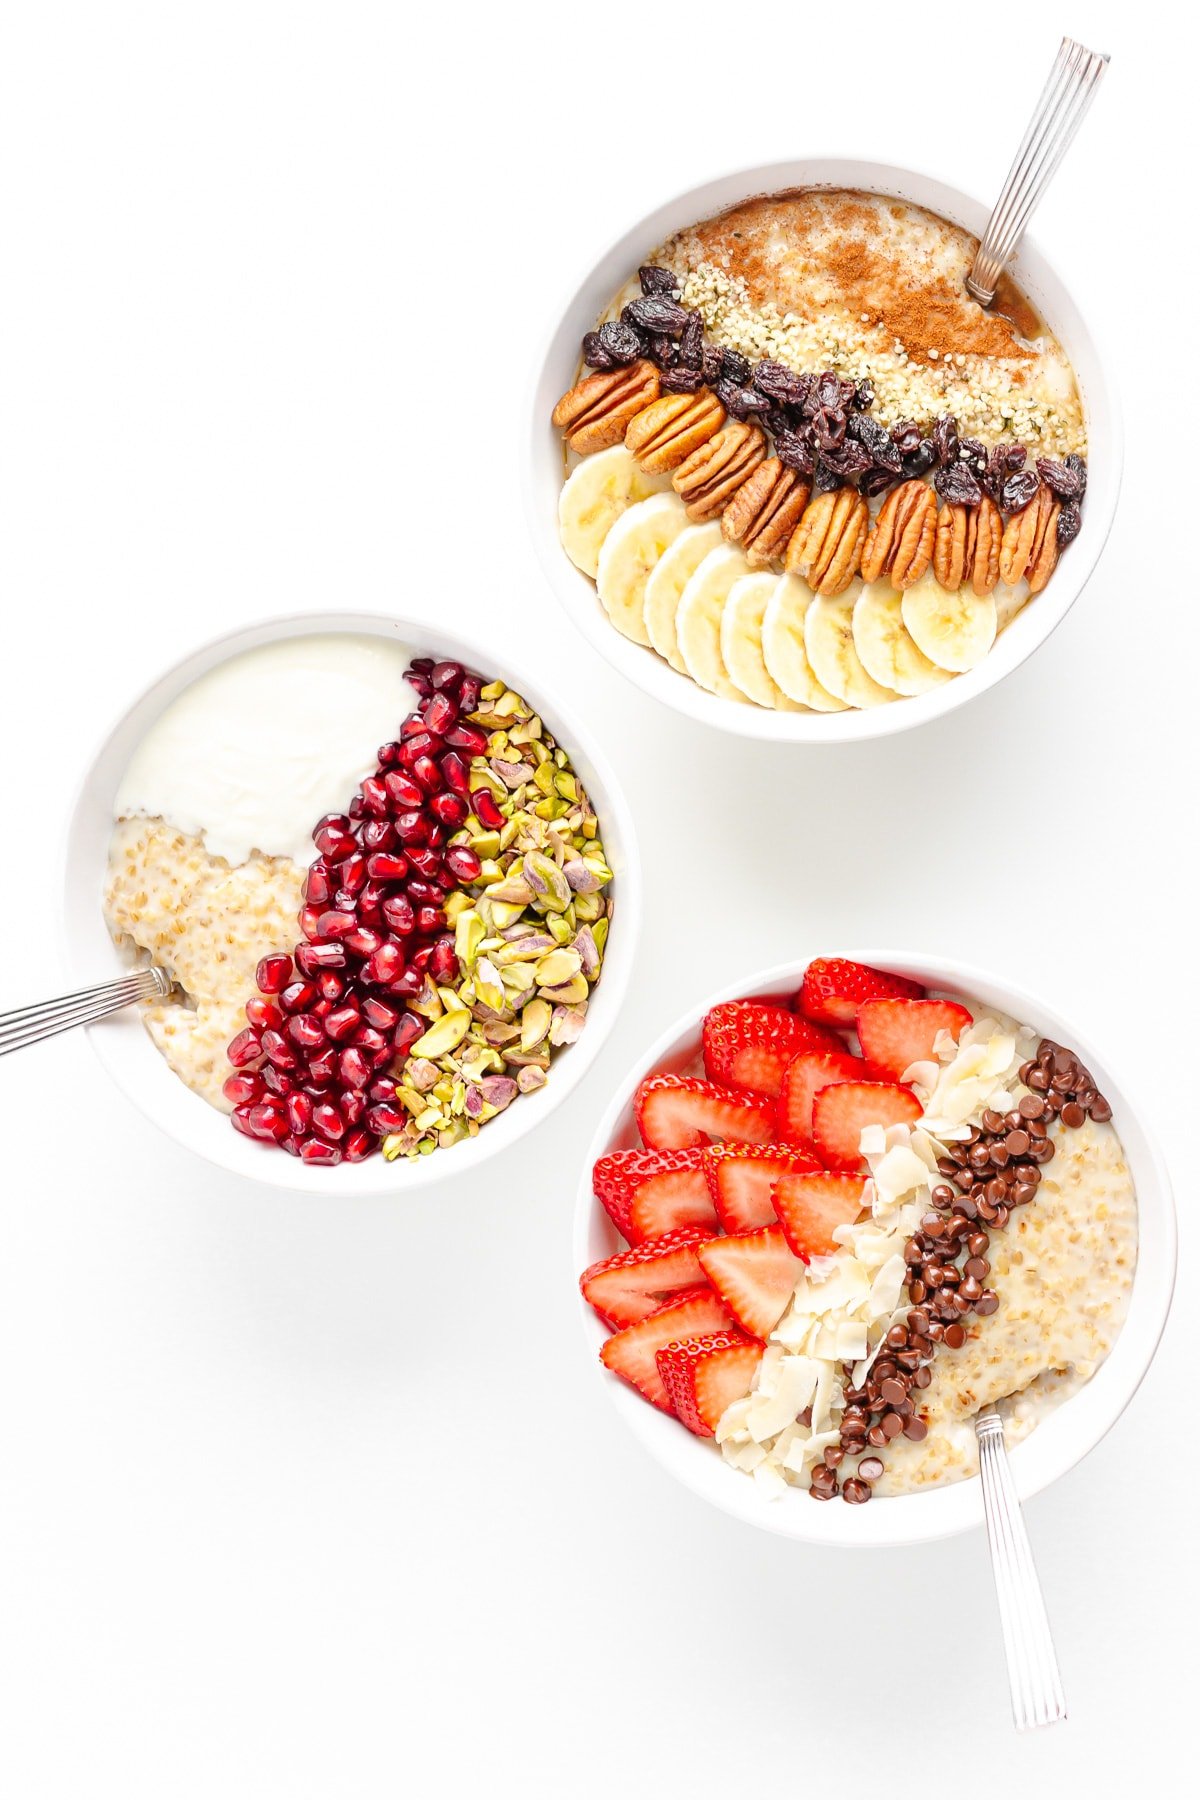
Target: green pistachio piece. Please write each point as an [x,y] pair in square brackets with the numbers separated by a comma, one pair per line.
[505,913]
[600,934]
[535,1023]
[469,931]
[559,927]
[488,985]
[543,779]
[565,993]
[559,966]
[564,784]
[444,1035]
[485,844]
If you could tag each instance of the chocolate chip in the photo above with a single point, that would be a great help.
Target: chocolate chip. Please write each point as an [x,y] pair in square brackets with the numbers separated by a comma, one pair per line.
[1073,1115]
[955,1337]
[856,1493]
[1100,1110]
[977,1267]
[915,1429]
[870,1468]
[987,1303]
[892,1425]
[892,1392]
[1017,1143]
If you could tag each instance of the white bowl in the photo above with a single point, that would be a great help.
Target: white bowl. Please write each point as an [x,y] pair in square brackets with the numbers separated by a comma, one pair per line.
[1061,1440]
[125,1048]
[543,474]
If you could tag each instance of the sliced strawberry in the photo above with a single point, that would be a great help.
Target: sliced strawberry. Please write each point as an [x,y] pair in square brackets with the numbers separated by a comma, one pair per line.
[676,1112]
[632,1284]
[749,1045]
[618,1178]
[811,1207]
[833,989]
[676,1197]
[894,1034]
[741,1176]
[704,1375]
[803,1079]
[841,1112]
[755,1274]
[631,1353]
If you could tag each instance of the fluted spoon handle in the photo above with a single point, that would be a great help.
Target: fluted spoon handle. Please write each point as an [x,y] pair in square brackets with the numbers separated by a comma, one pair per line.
[1076,75]
[45,1018]
[1034,1682]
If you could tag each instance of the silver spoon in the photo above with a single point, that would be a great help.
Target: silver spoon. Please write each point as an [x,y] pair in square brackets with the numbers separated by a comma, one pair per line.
[1034,1682]
[30,1024]
[1076,75]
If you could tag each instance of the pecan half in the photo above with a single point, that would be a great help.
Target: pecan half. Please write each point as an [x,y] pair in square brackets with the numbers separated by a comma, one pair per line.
[765,511]
[967,546]
[1029,547]
[667,432]
[900,542]
[827,544]
[594,414]
[712,475]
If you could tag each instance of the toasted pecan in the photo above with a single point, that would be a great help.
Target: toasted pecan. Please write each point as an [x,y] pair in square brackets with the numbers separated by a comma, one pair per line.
[1029,547]
[765,511]
[900,542]
[595,413]
[827,544]
[712,475]
[967,546]
[666,433]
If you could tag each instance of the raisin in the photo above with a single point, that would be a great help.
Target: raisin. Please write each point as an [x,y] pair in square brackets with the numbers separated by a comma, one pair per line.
[957,486]
[864,396]
[871,435]
[919,461]
[974,454]
[691,342]
[735,367]
[742,402]
[710,365]
[1058,478]
[825,479]
[656,313]
[849,459]
[876,481]
[622,342]
[1018,491]
[1069,521]
[657,281]
[792,450]
[831,394]
[780,383]
[594,353]
[907,437]
[681,381]
[1078,466]
[945,440]
[829,428]
[662,351]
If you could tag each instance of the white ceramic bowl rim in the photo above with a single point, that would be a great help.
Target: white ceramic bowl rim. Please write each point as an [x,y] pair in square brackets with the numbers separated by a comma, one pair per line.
[1060,1441]
[125,1049]
[542,468]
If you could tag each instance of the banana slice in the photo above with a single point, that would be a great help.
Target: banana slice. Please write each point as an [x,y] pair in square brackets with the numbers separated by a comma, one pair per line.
[595,495]
[884,647]
[741,641]
[1009,601]
[783,646]
[628,556]
[829,640]
[955,631]
[698,620]
[668,578]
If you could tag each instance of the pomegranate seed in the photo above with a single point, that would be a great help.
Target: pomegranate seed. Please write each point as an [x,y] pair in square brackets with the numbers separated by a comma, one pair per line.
[264,1015]
[487,812]
[388,755]
[421,743]
[245,1048]
[299,1112]
[446,675]
[308,920]
[441,714]
[430,920]
[403,791]
[332,822]
[382,1088]
[426,771]
[374,797]
[356,808]
[241,1121]
[317,885]
[379,1013]
[335,845]
[373,1043]
[420,958]
[322,1067]
[275,1080]
[268,1120]
[277,1050]
[273,974]
[424,893]
[336,924]
[312,1150]
[425,859]
[443,964]
[421,685]
[412,828]
[378,835]
[353,873]
[384,865]
[323,1008]
[306,1031]
[243,1090]
[365,941]
[455,773]
[354,1107]
[370,900]
[332,986]
[463,864]
[354,1067]
[468,698]
[449,809]
[407,985]
[407,1032]
[411,727]
[399,914]
[387,1116]
[291,1145]
[386,965]
[328,1120]
[298,996]
[317,956]
[467,737]
[358,1146]
[343,1021]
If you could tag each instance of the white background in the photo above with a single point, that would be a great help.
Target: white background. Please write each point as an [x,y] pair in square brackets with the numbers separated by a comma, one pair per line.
[308,1500]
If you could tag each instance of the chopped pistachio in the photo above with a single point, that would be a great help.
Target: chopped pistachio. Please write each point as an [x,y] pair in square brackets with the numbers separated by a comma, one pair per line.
[564,993]
[468,936]
[559,966]
[488,985]
[535,1023]
[485,844]
[444,1035]
[492,691]
[456,904]
[600,934]
[564,784]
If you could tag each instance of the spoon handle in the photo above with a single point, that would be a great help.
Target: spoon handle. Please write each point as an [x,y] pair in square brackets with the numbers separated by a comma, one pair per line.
[30,1024]
[1076,75]
[1034,1682]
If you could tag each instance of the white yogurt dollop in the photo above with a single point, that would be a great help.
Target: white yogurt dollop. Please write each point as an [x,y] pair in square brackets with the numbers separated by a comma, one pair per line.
[254,753]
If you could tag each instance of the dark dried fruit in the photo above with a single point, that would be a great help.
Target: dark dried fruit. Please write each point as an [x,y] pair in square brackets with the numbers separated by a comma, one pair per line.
[1004,460]
[782,384]
[871,435]
[957,486]
[1063,482]
[1018,491]
[1078,466]
[691,342]
[663,351]
[1069,521]
[621,342]
[850,459]
[657,281]
[594,353]
[735,367]
[919,461]
[829,428]
[825,479]
[832,394]
[975,455]
[742,402]
[876,481]
[907,437]
[681,381]
[945,440]
[864,396]
[711,364]
[656,313]
[793,451]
